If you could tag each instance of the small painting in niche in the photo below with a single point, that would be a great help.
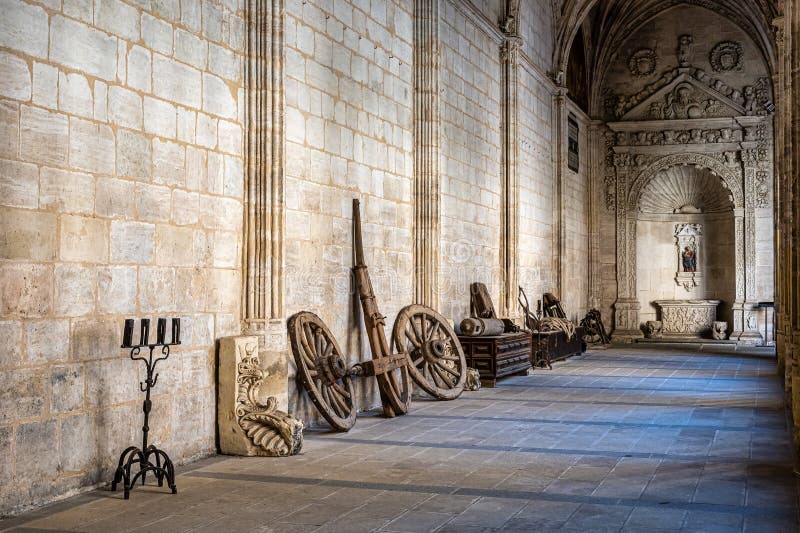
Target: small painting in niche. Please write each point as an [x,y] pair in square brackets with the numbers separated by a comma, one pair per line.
[573,153]
[689,259]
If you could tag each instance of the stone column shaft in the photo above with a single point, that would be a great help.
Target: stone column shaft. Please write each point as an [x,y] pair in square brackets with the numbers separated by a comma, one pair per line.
[509,245]
[427,175]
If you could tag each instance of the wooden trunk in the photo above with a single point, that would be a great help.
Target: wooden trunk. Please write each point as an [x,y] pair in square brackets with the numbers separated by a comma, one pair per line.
[497,356]
[554,345]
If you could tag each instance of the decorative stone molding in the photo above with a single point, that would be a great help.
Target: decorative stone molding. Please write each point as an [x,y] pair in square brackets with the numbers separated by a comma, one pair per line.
[643,62]
[727,56]
[248,424]
[762,188]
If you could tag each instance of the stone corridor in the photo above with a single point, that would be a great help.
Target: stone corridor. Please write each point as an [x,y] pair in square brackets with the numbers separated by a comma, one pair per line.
[616,440]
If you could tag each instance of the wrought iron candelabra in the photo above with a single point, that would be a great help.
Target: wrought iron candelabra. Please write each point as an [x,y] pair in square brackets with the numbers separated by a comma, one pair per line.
[148,458]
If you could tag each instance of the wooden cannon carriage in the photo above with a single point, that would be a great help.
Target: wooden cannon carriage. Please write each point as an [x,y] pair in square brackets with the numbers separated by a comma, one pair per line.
[426,350]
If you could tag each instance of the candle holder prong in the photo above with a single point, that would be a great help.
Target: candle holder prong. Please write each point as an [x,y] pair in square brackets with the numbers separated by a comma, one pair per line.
[148,458]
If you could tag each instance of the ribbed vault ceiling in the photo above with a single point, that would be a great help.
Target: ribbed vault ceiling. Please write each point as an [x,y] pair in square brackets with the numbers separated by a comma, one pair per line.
[685,189]
[607,23]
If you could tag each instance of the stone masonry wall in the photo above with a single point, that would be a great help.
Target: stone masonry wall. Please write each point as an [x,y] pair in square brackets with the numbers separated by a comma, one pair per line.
[575,224]
[121,196]
[349,126]
[470,161]
[536,185]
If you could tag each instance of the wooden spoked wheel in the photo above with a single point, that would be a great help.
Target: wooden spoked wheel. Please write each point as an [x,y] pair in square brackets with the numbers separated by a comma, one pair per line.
[436,359]
[322,369]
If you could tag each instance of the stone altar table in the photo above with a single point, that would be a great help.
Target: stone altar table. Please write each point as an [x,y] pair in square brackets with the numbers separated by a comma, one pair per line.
[688,318]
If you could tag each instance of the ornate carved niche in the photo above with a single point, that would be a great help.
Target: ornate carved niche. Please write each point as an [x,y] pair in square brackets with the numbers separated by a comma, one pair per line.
[687,239]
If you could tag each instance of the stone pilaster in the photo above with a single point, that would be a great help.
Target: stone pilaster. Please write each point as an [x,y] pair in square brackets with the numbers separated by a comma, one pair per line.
[509,257]
[263,247]
[427,176]
[750,330]
[626,308]
[559,166]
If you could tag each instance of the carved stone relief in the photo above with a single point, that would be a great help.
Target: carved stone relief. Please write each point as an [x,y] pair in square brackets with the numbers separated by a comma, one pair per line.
[643,63]
[250,424]
[727,56]
[762,189]
[685,50]
[688,318]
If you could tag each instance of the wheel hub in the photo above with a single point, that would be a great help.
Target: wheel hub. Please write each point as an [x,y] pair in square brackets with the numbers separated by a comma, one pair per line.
[332,368]
[433,350]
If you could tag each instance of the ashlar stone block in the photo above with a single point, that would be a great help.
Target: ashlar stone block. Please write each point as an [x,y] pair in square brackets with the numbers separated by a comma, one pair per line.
[159,117]
[134,155]
[10,342]
[9,129]
[190,49]
[83,239]
[19,184]
[173,245]
[153,202]
[45,85]
[140,68]
[156,289]
[66,386]
[34,457]
[118,18]
[43,136]
[93,338]
[76,287]
[132,242]
[91,146]
[116,289]
[124,107]
[15,81]
[66,192]
[27,235]
[176,82]
[114,198]
[47,341]
[22,395]
[83,48]
[26,290]
[75,95]
[169,161]
[218,99]
[23,27]
[77,432]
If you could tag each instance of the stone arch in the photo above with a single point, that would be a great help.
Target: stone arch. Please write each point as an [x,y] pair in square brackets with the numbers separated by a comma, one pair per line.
[731,179]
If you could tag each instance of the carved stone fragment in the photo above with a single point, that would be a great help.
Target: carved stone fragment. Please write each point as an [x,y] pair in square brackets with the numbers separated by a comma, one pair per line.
[727,56]
[249,424]
[643,62]
[473,382]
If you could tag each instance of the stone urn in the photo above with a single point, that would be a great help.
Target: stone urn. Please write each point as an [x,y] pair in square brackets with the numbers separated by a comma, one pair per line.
[652,329]
[720,330]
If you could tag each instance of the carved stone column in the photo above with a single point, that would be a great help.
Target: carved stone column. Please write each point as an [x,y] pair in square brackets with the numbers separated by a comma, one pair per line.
[427,119]
[263,249]
[559,114]
[597,146]
[739,303]
[750,329]
[792,15]
[626,308]
[509,244]
[778,83]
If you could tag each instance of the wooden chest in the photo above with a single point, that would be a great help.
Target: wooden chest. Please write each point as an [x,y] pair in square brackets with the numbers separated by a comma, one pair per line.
[554,345]
[497,356]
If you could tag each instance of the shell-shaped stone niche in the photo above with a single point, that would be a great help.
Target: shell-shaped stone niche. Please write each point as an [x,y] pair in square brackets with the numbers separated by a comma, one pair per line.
[685,189]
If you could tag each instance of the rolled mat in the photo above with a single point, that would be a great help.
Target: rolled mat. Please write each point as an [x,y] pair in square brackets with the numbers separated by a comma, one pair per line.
[482,327]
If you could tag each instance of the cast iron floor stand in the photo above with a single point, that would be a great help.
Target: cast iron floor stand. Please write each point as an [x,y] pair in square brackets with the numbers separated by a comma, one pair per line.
[143,457]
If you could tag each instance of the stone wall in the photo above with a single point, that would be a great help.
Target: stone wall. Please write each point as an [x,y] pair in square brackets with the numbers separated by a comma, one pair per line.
[348,135]
[536,185]
[470,158]
[121,193]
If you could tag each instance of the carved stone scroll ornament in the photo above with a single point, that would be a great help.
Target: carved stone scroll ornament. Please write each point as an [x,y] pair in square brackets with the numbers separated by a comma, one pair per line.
[643,62]
[249,424]
[762,189]
[274,432]
[727,56]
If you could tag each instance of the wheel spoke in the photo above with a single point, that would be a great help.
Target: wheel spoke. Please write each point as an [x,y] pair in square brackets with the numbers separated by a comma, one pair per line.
[448,370]
[341,390]
[420,338]
[435,331]
[339,402]
[423,323]
[445,379]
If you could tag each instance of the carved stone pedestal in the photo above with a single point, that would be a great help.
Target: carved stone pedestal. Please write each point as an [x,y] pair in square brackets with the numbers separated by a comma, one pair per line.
[250,424]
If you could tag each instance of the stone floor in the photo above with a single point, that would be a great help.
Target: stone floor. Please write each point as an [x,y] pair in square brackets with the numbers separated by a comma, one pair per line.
[617,440]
